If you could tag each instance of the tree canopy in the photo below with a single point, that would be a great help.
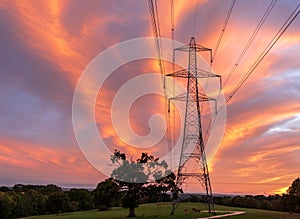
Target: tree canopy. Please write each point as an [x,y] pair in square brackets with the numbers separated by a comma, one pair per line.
[142,178]
[294,189]
[106,194]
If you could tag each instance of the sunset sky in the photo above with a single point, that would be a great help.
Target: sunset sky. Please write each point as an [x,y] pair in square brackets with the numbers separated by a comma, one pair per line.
[46,45]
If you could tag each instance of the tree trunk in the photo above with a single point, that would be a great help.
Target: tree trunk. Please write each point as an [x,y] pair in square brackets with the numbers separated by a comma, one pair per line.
[131,212]
[173,208]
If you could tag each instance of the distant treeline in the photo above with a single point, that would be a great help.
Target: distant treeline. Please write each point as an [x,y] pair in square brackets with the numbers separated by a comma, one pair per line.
[29,200]
[290,201]
[284,202]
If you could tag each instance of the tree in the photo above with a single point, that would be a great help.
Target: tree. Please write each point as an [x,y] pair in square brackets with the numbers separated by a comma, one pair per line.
[45,190]
[82,199]
[294,189]
[33,202]
[20,205]
[265,204]
[133,178]
[48,189]
[251,202]
[107,194]
[294,196]
[4,189]
[6,206]
[58,202]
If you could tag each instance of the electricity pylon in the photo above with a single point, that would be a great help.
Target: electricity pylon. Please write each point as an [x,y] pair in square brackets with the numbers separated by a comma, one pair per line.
[193,163]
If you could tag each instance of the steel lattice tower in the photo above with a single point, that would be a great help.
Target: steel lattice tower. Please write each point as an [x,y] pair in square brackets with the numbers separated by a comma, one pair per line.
[193,161]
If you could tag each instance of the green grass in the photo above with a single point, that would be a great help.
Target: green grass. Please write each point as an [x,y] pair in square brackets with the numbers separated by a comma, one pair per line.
[154,211]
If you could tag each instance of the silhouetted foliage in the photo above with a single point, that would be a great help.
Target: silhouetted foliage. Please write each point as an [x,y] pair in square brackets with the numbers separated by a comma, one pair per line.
[29,200]
[58,202]
[107,195]
[265,204]
[4,189]
[294,189]
[285,202]
[80,199]
[293,198]
[6,206]
[133,177]
[45,190]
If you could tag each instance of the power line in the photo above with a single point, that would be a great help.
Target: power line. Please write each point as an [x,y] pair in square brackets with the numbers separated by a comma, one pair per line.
[156,30]
[172,23]
[213,58]
[195,17]
[223,30]
[277,36]
[172,141]
[258,27]
[215,53]
[280,32]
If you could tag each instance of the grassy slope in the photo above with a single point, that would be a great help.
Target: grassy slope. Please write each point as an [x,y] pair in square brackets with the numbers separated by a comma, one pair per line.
[153,211]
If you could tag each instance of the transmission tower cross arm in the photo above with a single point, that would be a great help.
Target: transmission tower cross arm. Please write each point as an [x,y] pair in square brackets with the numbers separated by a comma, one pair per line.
[193,46]
[184,73]
[201,97]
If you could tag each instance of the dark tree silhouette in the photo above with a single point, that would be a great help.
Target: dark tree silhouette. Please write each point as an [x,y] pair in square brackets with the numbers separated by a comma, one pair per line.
[58,202]
[293,201]
[294,189]
[81,198]
[107,194]
[5,206]
[134,177]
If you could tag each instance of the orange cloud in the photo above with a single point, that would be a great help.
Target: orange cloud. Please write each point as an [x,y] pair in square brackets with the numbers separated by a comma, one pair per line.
[45,162]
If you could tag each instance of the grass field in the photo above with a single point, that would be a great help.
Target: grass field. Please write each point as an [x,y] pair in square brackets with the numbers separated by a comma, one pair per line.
[154,211]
